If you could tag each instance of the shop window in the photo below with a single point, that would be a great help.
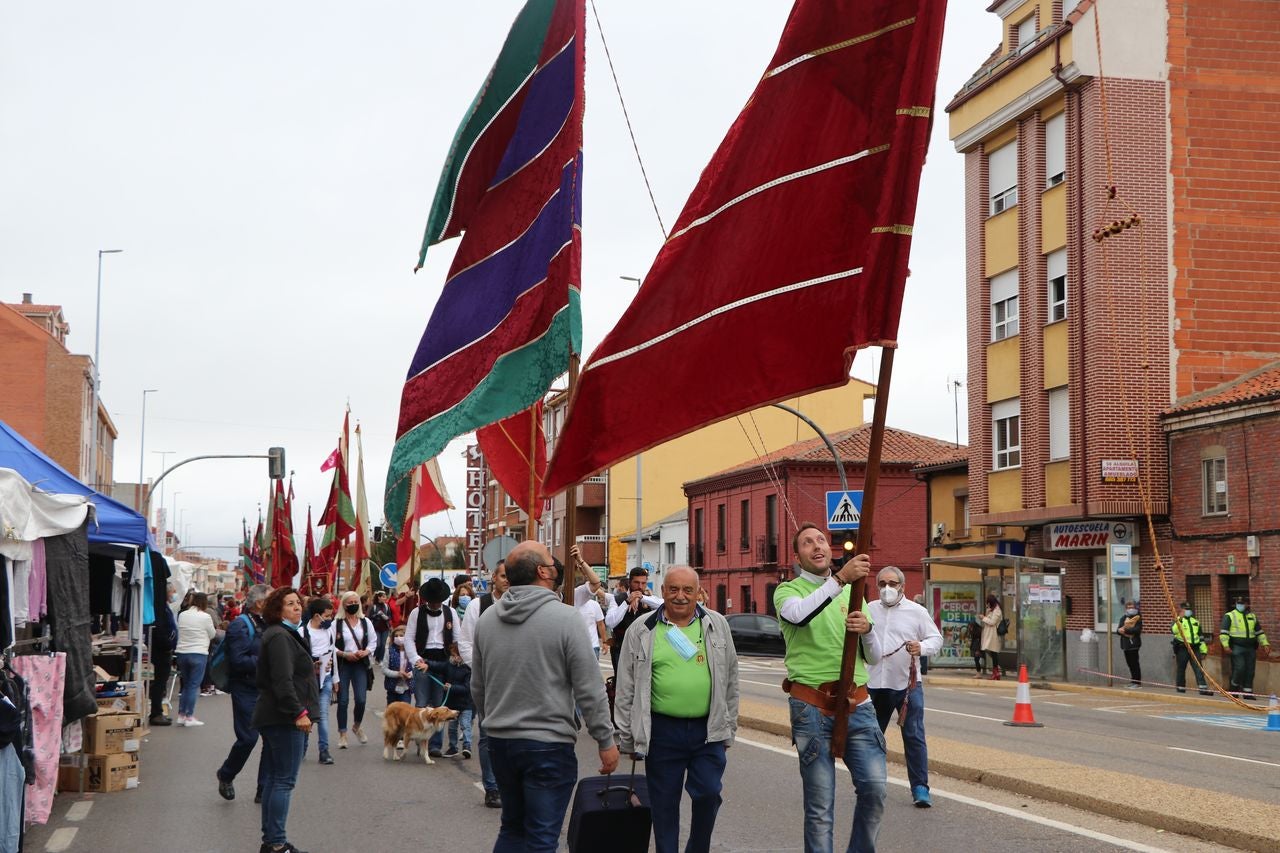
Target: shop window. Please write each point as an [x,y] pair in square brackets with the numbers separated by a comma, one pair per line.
[1122,589]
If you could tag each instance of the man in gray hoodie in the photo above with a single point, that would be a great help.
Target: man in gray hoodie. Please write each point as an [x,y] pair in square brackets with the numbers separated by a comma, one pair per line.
[531,664]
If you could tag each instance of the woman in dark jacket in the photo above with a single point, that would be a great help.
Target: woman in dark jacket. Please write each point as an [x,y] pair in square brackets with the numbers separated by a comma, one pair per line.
[288,700]
[1130,631]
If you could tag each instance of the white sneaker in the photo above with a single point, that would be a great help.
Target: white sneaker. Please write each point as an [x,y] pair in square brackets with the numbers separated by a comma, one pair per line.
[192,721]
[181,721]
[359,733]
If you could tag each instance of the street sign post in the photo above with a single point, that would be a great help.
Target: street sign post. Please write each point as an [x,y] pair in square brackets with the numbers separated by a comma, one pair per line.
[844,510]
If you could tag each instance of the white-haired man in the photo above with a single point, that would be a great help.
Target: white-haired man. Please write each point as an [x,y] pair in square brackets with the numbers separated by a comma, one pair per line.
[906,632]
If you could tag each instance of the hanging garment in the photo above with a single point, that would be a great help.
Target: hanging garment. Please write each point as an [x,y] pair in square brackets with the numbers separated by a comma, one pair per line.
[19,591]
[7,634]
[66,562]
[12,790]
[37,592]
[45,676]
[102,577]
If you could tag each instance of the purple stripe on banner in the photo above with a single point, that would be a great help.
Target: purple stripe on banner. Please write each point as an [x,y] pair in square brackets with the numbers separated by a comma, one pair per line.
[476,300]
[544,112]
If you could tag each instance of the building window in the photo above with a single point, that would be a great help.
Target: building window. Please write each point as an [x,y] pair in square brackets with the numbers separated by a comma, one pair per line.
[1006,438]
[669,553]
[508,501]
[1055,150]
[962,514]
[697,537]
[1057,266]
[1200,594]
[744,521]
[1233,587]
[559,528]
[1024,33]
[1002,177]
[1122,589]
[1004,305]
[720,525]
[1214,476]
[1059,425]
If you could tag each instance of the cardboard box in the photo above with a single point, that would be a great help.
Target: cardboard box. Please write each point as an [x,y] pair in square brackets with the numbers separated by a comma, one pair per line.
[111,733]
[128,702]
[102,773]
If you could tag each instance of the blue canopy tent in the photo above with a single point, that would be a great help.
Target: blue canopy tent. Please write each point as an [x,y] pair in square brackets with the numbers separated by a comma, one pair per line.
[115,524]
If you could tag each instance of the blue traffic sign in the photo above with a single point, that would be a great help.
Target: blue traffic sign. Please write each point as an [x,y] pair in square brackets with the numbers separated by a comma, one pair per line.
[388,575]
[844,510]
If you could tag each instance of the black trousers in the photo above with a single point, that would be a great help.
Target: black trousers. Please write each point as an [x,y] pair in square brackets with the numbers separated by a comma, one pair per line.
[1135,666]
[162,660]
[1181,659]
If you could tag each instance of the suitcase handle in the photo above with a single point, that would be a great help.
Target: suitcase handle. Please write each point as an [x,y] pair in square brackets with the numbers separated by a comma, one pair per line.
[631,785]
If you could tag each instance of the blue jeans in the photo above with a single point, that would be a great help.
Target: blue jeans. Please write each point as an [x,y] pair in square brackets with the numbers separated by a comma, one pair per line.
[354,676]
[244,697]
[676,747]
[428,692]
[886,702]
[282,748]
[864,755]
[462,722]
[487,779]
[536,780]
[322,722]
[191,671]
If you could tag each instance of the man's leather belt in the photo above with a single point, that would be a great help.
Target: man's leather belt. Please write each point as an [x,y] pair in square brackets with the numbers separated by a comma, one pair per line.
[823,697]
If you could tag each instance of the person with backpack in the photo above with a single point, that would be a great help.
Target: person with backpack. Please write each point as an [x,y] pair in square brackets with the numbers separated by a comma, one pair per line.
[431,645]
[356,641]
[318,633]
[466,637]
[240,648]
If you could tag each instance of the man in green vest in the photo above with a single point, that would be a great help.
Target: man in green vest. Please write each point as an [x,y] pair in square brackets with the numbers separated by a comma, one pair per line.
[815,613]
[1241,634]
[1187,628]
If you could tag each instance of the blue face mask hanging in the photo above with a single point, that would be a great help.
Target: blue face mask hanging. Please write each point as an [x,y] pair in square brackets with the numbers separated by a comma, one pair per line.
[682,644]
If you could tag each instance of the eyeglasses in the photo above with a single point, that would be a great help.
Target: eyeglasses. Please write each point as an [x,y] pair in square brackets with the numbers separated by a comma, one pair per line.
[894,584]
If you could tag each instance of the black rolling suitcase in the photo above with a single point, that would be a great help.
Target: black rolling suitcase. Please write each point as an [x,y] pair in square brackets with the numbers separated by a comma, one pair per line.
[611,813]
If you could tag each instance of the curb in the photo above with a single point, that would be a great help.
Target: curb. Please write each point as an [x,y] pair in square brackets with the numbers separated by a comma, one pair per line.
[1063,687]
[1125,811]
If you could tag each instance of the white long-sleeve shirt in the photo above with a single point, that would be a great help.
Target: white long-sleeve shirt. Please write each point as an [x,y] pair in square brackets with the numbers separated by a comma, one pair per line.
[322,649]
[465,636]
[351,637]
[893,626]
[195,632]
[435,632]
[617,611]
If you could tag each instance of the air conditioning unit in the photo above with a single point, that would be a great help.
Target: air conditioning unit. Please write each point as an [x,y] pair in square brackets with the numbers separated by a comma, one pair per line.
[1251,546]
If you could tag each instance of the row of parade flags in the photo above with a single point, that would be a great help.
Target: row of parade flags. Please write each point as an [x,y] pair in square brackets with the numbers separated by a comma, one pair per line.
[270,556]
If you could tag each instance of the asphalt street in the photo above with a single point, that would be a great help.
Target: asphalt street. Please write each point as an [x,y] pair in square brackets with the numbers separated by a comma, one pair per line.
[364,803]
[1214,748]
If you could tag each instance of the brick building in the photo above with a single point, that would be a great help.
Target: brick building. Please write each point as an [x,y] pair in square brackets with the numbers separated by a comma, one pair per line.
[46,391]
[1076,345]
[741,520]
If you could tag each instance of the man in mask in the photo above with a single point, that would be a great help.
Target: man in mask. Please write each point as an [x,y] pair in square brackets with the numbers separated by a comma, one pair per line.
[1186,632]
[1241,634]
[466,639]
[906,633]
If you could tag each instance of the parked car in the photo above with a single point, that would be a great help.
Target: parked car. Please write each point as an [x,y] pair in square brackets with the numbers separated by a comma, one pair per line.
[754,634]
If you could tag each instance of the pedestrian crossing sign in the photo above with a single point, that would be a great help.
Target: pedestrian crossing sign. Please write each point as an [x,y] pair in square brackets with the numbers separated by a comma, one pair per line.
[844,510]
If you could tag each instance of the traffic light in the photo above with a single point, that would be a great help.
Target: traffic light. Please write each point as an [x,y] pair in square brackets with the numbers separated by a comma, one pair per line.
[848,545]
[275,463]
[377,533]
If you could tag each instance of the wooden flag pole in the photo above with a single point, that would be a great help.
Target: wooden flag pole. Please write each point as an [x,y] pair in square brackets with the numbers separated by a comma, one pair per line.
[533,466]
[857,589]
[570,500]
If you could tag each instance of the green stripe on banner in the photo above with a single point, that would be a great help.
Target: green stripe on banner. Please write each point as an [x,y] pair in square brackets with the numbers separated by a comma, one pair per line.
[518,380]
[518,59]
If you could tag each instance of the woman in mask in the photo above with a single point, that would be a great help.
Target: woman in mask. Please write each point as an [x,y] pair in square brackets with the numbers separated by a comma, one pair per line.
[288,700]
[355,640]
[318,632]
[1130,631]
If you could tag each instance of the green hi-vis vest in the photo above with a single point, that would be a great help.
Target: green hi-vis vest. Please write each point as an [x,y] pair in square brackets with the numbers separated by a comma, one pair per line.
[1241,626]
[1188,628]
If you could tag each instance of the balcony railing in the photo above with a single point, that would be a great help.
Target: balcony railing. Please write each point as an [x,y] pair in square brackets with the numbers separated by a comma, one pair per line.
[767,550]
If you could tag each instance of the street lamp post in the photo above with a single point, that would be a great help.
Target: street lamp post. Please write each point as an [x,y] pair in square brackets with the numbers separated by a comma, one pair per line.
[142,443]
[93,415]
[639,477]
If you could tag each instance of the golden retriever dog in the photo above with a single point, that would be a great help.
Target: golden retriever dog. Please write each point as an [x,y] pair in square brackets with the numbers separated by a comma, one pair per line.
[403,722]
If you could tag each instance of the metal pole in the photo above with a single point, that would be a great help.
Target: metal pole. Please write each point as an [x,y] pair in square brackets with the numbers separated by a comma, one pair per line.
[844,483]
[142,445]
[93,414]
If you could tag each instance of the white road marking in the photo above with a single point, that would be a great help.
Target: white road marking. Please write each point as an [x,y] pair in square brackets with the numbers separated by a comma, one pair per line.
[975,693]
[79,810]
[1123,843]
[61,839]
[1121,709]
[958,714]
[1220,755]
[1060,704]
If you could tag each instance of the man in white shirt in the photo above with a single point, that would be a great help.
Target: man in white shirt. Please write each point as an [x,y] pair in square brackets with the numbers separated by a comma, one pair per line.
[466,642]
[430,644]
[906,632]
[638,602]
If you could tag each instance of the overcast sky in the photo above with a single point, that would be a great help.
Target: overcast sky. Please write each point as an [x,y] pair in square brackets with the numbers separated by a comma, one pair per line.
[267,169]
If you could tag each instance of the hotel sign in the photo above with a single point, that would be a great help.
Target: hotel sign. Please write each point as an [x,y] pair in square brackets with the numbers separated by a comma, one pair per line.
[1089,535]
[475,506]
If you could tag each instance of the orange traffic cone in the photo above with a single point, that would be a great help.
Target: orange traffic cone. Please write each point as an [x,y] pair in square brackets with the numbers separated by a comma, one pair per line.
[1022,715]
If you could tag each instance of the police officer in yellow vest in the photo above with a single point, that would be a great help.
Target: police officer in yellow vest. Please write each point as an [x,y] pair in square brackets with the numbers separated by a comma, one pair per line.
[1241,634]
[1187,627]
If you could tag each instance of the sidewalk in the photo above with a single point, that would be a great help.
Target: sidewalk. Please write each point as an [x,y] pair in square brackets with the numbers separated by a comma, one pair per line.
[1221,818]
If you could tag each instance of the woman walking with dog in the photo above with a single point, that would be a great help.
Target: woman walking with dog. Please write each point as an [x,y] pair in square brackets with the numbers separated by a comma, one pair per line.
[288,700]
[355,641]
